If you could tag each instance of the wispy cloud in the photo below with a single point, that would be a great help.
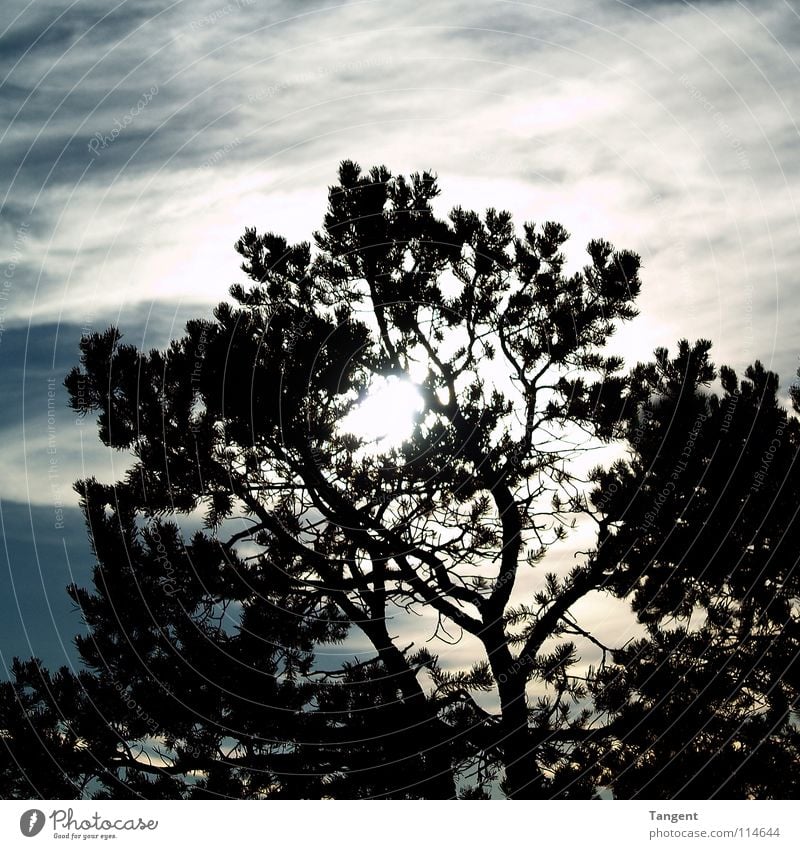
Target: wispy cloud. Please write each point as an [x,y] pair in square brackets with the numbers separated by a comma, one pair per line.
[668,128]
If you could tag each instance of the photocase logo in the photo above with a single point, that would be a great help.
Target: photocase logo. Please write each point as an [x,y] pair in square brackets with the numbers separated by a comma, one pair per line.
[31,822]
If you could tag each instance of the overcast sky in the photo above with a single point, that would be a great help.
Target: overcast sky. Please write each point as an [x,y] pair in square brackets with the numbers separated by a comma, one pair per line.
[139,139]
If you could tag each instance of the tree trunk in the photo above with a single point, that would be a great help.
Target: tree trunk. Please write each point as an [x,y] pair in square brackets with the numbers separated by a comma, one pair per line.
[436,779]
[524,779]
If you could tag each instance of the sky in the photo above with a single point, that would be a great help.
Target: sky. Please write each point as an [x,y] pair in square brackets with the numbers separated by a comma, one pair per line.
[138,140]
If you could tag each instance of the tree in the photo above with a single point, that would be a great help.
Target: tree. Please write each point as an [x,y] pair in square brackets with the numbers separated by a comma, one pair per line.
[707,551]
[206,662]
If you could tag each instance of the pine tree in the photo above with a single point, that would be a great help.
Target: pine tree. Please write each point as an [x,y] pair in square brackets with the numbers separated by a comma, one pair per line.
[256,537]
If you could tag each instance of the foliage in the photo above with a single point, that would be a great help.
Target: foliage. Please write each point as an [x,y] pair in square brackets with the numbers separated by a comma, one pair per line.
[253,535]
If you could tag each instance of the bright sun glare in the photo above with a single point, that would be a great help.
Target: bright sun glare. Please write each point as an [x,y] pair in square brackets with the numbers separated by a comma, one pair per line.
[386,416]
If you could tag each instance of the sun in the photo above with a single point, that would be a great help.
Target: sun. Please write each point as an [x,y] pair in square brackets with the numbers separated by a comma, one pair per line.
[386,417]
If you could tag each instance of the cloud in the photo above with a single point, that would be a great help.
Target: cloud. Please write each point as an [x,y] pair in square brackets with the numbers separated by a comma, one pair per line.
[37,618]
[666,127]
[629,122]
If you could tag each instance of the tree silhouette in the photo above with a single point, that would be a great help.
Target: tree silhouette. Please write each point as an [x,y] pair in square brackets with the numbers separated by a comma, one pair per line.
[706,549]
[213,663]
